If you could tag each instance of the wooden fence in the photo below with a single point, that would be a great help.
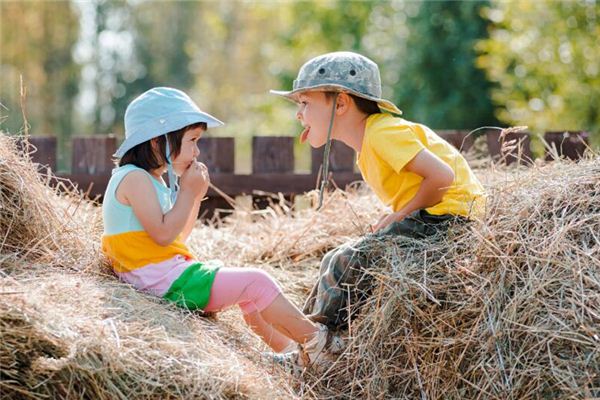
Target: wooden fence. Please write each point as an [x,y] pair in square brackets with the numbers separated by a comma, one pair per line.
[273,160]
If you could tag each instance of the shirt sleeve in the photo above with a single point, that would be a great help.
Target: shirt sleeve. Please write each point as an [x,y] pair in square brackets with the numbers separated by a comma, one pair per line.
[396,146]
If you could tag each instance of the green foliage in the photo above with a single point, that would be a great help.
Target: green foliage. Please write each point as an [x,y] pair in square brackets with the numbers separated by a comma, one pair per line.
[160,53]
[424,50]
[545,57]
[438,82]
[83,62]
[36,42]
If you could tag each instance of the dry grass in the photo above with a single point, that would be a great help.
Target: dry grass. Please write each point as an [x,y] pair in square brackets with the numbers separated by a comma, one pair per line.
[508,307]
[36,225]
[70,330]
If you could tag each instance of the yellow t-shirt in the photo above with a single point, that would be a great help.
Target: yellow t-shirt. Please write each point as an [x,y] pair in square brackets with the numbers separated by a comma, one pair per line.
[390,143]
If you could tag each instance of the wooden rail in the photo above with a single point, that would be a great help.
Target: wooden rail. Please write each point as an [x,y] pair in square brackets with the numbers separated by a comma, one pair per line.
[273,160]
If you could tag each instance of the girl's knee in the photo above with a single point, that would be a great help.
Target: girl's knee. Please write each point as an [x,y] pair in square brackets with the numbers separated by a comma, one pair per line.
[263,290]
[262,278]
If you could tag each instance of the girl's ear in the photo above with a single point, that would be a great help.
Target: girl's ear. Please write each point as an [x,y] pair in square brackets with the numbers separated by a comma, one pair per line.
[156,148]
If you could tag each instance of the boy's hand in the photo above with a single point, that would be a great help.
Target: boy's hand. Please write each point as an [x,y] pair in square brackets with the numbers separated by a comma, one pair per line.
[195,179]
[387,219]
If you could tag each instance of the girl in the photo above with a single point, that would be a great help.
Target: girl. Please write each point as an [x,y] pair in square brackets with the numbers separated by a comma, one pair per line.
[146,224]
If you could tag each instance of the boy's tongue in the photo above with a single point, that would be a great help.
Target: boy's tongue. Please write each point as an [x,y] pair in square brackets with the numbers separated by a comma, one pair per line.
[304,135]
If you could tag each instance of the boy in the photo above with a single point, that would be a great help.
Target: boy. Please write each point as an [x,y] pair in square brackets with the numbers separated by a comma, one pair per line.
[426,181]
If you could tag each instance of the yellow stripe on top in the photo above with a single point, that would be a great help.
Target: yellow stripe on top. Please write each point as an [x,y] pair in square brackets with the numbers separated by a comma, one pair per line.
[390,143]
[132,250]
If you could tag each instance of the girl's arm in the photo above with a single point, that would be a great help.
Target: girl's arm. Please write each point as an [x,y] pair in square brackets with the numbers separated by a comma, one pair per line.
[193,217]
[437,178]
[138,192]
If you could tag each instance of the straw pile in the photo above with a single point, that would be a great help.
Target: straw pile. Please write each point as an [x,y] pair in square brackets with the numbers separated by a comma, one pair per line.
[35,224]
[507,307]
[69,330]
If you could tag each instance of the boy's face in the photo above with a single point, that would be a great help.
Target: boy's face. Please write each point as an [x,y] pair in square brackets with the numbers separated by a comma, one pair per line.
[314,113]
[189,150]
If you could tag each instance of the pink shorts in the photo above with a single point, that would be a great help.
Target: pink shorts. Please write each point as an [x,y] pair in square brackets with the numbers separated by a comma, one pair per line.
[251,289]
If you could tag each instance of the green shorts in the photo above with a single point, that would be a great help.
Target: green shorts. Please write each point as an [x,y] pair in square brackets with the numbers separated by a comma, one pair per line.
[192,289]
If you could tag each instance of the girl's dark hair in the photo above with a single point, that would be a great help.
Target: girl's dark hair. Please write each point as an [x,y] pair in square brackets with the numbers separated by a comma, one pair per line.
[365,106]
[143,156]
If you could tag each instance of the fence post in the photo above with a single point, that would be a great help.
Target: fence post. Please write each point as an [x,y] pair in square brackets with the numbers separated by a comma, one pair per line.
[460,139]
[45,153]
[341,158]
[272,154]
[93,154]
[218,154]
[569,144]
[515,146]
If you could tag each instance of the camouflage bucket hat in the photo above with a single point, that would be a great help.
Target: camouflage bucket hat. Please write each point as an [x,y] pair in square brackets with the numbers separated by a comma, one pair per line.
[342,71]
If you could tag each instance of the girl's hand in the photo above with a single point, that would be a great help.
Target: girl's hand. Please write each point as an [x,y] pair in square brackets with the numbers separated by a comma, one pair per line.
[195,179]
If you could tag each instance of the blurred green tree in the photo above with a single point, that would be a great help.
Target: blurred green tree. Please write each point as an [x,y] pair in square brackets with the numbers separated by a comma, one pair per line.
[36,42]
[438,83]
[425,51]
[134,46]
[160,51]
[546,59]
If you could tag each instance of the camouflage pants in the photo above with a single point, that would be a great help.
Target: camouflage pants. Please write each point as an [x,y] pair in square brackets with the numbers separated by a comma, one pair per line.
[342,277]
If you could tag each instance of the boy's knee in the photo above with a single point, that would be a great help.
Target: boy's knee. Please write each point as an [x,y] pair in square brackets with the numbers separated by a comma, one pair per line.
[331,254]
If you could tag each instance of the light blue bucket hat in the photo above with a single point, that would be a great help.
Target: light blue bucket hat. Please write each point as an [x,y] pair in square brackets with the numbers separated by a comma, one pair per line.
[157,112]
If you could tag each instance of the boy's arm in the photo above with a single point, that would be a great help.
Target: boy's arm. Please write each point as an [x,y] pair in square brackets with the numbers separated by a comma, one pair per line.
[189,225]
[437,178]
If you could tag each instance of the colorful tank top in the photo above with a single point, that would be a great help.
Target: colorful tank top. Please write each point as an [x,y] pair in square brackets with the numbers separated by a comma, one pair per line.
[137,259]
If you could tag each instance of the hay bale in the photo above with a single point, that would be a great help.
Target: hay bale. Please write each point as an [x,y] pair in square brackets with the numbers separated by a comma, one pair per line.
[36,223]
[508,307]
[22,345]
[115,343]
[69,329]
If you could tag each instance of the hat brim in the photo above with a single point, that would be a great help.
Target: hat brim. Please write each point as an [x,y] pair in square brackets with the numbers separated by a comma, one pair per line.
[292,95]
[183,120]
